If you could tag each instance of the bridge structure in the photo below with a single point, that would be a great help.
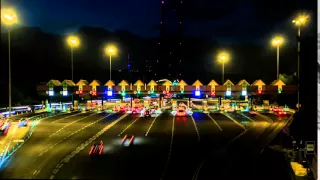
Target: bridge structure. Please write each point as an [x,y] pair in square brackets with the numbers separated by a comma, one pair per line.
[123,88]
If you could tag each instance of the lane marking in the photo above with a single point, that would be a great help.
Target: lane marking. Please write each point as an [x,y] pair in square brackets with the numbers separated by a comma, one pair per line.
[65,117]
[128,126]
[94,122]
[87,142]
[265,117]
[170,150]
[197,172]
[235,121]
[69,124]
[247,117]
[195,126]
[151,126]
[56,171]
[214,121]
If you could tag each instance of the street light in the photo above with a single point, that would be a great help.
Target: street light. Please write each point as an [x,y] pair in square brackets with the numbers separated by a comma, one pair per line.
[277,41]
[73,42]
[9,18]
[110,50]
[223,57]
[300,21]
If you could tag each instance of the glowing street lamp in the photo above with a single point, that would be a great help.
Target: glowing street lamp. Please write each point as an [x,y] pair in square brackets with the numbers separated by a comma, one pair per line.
[9,18]
[277,42]
[223,58]
[300,21]
[73,42]
[110,50]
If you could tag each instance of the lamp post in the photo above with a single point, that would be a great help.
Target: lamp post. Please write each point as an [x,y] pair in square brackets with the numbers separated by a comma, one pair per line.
[9,18]
[223,58]
[300,21]
[277,41]
[110,50]
[73,42]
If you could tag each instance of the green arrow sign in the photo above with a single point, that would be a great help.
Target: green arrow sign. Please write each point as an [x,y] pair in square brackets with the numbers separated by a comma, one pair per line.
[65,86]
[244,86]
[228,85]
[50,85]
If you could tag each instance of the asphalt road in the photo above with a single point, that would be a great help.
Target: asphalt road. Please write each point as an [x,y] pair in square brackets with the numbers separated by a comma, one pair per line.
[165,147]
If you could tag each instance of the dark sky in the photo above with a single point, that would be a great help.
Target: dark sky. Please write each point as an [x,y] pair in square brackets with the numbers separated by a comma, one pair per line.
[228,22]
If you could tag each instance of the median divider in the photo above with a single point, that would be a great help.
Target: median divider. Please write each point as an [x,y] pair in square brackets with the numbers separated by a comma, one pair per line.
[18,143]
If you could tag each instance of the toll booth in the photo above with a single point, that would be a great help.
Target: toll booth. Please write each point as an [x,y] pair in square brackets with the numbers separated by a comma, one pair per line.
[146,104]
[205,105]
[266,105]
[174,104]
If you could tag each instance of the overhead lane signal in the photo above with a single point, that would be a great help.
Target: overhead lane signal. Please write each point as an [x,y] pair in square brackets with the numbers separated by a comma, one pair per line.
[182,84]
[213,93]
[197,84]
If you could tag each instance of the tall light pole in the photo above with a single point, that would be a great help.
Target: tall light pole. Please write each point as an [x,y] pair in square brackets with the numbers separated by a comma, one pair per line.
[73,42]
[223,58]
[300,21]
[110,50]
[9,18]
[277,41]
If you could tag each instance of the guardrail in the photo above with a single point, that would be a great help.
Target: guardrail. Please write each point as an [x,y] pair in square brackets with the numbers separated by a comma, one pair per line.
[6,155]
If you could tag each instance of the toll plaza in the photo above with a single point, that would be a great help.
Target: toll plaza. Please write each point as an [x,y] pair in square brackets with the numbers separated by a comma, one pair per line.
[240,96]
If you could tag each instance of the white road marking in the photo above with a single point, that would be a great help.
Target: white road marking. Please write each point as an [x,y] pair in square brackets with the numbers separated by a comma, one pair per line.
[93,138]
[170,150]
[247,117]
[214,121]
[69,124]
[56,171]
[76,114]
[195,126]
[128,126]
[235,121]
[264,117]
[150,126]
[196,174]
[47,149]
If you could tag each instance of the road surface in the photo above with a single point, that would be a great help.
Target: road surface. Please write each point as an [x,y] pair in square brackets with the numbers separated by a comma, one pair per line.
[165,147]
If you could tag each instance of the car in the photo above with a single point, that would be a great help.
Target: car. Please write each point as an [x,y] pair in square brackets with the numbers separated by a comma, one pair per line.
[147,113]
[4,127]
[123,109]
[96,149]
[281,112]
[23,122]
[181,112]
[127,141]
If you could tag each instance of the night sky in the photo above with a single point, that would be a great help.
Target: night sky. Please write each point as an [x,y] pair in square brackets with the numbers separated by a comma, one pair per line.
[228,22]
